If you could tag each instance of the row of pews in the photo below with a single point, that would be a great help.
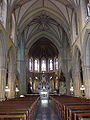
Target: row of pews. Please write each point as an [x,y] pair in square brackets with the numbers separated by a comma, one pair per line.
[72,108]
[18,108]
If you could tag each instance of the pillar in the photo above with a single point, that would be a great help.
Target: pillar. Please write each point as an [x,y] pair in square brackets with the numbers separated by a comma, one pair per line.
[86,79]
[77,85]
[11,73]
[2,82]
[66,74]
[2,66]
[11,84]
[76,79]
[21,66]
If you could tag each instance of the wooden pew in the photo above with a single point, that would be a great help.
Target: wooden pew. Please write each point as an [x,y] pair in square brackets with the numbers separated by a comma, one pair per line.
[14,116]
[80,116]
[68,104]
[18,108]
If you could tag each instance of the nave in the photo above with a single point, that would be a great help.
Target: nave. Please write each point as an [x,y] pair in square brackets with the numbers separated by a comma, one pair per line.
[46,110]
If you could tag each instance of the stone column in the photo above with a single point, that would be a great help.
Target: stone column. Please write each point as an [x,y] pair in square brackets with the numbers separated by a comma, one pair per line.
[67,83]
[22,78]
[83,11]
[66,74]
[11,84]
[11,74]
[21,66]
[77,84]
[27,68]
[76,79]
[86,79]
[59,69]
[2,83]
[64,63]
[3,52]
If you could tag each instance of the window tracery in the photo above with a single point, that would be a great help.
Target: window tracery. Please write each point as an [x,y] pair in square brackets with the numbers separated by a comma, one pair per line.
[43,65]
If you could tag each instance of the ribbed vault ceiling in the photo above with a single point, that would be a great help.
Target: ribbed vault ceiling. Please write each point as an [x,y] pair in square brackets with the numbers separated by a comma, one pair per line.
[51,17]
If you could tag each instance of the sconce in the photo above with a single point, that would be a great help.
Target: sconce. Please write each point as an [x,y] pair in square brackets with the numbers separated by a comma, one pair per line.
[71,90]
[82,90]
[6,92]
[16,90]
[7,89]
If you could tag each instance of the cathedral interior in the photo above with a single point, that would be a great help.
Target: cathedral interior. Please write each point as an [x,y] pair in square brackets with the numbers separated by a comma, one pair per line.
[44,47]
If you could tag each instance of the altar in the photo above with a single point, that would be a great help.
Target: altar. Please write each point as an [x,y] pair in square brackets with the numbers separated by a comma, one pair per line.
[44,95]
[43,88]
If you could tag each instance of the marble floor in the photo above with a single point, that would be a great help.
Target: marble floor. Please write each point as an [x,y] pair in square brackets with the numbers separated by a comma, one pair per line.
[46,111]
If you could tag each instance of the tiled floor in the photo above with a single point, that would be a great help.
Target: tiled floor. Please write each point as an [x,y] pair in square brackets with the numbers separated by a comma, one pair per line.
[46,111]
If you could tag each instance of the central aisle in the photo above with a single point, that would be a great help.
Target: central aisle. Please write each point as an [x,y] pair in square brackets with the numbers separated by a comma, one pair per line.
[46,111]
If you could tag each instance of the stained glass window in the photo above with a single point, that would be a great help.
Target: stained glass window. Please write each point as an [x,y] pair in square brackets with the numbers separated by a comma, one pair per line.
[43,65]
[50,64]
[88,9]
[30,64]
[36,65]
[56,64]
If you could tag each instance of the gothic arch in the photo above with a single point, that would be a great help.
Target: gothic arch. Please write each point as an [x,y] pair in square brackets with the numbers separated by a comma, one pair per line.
[40,35]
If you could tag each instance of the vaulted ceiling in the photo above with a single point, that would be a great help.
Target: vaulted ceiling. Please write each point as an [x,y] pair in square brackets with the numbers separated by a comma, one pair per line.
[43,48]
[44,18]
